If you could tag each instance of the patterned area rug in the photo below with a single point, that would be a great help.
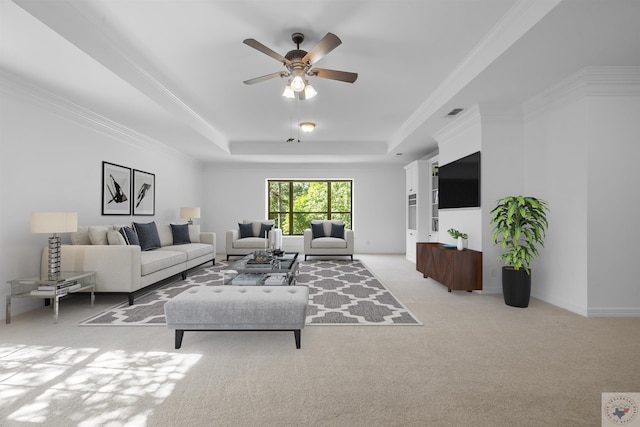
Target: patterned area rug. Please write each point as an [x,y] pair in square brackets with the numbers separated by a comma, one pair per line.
[341,292]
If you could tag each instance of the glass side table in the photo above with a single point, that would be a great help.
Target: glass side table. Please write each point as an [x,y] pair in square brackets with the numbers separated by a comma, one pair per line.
[66,282]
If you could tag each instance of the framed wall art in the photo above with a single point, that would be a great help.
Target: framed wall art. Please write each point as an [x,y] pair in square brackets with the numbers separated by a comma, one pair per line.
[116,189]
[144,193]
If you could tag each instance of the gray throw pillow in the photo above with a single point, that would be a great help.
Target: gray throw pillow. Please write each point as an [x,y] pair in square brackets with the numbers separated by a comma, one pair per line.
[148,235]
[337,230]
[180,234]
[246,230]
[317,230]
[130,236]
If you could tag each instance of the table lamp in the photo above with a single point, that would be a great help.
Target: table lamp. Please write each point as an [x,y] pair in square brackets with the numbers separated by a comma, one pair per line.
[54,222]
[189,212]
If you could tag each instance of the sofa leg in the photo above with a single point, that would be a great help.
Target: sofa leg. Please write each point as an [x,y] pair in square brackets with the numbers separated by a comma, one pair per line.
[130,298]
[179,335]
[184,275]
[296,334]
[305,257]
[213,262]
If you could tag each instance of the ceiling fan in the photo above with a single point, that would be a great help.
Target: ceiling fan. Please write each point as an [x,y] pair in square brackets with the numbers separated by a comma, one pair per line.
[299,65]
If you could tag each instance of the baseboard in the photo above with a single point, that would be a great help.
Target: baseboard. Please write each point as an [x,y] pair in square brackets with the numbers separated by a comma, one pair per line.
[613,312]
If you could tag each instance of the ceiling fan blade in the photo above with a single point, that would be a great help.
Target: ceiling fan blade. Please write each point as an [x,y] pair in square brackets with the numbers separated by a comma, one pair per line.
[265,77]
[343,76]
[324,46]
[262,48]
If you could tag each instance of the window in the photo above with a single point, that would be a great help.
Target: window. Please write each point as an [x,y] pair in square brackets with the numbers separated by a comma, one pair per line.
[294,203]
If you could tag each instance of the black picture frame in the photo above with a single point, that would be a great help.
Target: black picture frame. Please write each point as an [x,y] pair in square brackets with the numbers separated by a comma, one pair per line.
[116,189]
[143,200]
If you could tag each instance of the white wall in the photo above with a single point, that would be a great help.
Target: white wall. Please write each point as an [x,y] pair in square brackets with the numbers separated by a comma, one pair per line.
[51,160]
[238,192]
[581,146]
[614,202]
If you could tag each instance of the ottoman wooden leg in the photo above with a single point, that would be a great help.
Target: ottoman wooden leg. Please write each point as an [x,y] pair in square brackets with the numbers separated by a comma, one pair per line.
[296,334]
[179,335]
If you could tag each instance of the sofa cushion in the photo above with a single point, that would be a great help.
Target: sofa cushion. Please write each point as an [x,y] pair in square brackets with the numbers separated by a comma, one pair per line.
[152,261]
[328,243]
[81,237]
[115,238]
[317,230]
[165,234]
[246,230]
[180,234]
[147,235]
[192,250]
[337,230]
[130,236]
[194,233]
[98,234]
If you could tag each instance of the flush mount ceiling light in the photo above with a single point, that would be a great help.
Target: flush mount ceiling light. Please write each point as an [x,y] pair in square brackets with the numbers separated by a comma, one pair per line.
[307,126]
[298,64]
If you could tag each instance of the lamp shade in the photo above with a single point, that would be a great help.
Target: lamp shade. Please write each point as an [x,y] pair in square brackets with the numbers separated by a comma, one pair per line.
[189,212]
[54,222]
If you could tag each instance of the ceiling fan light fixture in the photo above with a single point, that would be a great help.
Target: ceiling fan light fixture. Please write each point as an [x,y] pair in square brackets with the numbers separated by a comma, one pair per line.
[307,126]
[288,92]
[309,92]
[297,84]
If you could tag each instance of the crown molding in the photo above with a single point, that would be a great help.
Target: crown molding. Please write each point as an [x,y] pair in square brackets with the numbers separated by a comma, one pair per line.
[508,30]
[589,81]
[83,24]
[13,84]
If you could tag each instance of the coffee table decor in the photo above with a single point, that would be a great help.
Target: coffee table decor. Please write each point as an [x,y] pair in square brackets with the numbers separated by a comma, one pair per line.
[341,292]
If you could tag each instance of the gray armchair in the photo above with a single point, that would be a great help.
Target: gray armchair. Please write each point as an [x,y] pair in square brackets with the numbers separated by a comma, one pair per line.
[239,244]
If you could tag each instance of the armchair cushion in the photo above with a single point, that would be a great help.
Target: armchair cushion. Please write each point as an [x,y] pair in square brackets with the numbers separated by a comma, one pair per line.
[246,230]
[317,230]
[264,229]
[337,230]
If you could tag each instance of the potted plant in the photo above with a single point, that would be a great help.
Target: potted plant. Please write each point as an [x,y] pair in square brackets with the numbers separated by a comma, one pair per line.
[519,224]
[460,237]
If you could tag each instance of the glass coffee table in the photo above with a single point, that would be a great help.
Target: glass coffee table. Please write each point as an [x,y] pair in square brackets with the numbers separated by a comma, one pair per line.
[263,268]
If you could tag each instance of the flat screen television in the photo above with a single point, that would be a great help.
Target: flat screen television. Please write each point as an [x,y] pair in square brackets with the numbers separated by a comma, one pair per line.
[459,183]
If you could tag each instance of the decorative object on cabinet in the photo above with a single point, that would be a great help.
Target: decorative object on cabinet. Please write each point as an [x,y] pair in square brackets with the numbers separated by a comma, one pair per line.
[457,270]
[54,222]
[116,189]
[190,213]
[519,223]
[459,237]
[144,187]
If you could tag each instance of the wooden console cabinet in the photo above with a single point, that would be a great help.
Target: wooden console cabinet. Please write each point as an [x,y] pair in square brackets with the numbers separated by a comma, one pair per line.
[457,270]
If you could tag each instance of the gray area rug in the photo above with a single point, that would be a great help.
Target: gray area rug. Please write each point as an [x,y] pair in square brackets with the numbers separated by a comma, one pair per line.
[341,292]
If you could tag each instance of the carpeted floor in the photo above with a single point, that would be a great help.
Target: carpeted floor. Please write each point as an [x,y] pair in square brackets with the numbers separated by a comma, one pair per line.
[341,292]
[476,362]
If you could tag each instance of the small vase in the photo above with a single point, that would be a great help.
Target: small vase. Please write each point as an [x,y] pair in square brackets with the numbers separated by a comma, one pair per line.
[460,243]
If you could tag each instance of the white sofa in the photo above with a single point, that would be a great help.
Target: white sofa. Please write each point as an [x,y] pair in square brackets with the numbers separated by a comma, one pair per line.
[325,243]
[125,268]
[236,245]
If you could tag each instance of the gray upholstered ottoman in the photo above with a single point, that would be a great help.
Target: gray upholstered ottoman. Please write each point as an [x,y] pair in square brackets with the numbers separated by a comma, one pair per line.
[235,308]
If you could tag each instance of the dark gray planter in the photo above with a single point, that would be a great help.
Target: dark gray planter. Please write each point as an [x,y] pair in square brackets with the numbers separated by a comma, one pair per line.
[516,287]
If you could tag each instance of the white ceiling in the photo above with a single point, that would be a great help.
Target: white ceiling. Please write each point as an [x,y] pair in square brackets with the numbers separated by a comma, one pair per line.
[173,70]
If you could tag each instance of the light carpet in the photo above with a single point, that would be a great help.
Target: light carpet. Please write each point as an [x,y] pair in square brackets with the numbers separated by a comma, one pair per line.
[341,292]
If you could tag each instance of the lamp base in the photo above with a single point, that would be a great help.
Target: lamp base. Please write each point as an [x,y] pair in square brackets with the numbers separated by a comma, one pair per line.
[53,268]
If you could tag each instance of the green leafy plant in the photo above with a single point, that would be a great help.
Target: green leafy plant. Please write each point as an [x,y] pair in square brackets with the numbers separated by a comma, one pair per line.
[455,233]
[519,223]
